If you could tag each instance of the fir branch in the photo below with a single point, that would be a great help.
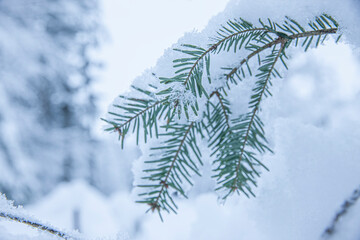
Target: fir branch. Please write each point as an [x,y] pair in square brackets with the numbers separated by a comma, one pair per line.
[118,127]
[238,33]
[172,168]
[252,54]
[137,111]
[213,47]
[224,108]
[203,53]
[256,108]
[277,41]
[301,33]
[36,225]
[235,142]
[195,65]
[236,165]
[164,182]
[314,33]
[237,176]
[345,207]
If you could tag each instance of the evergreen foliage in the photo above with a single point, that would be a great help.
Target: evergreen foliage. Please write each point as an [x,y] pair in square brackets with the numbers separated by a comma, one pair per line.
[174,112]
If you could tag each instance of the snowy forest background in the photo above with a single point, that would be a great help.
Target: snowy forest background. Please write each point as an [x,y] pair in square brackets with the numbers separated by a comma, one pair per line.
[59,72]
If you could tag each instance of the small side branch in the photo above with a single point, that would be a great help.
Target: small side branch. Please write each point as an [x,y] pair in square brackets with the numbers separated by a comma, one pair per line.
[277,41]
[256,108]
[314,33]
[218,95]
[36,225]
[214,46]
[244,60]
[137,115]
[348,203]
[164,183]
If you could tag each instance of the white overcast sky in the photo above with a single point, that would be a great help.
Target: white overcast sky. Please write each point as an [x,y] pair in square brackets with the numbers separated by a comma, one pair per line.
[138,33]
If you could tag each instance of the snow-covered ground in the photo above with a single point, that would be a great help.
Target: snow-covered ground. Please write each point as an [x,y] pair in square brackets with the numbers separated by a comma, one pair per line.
[313,123]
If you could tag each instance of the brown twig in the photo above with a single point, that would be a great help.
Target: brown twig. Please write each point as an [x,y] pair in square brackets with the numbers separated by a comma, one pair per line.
[155,205]
[36,225]
[278,40]
[283,42]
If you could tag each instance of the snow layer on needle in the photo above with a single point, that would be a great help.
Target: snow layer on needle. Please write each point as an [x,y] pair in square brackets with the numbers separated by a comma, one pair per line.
[345,12]
[17,215]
